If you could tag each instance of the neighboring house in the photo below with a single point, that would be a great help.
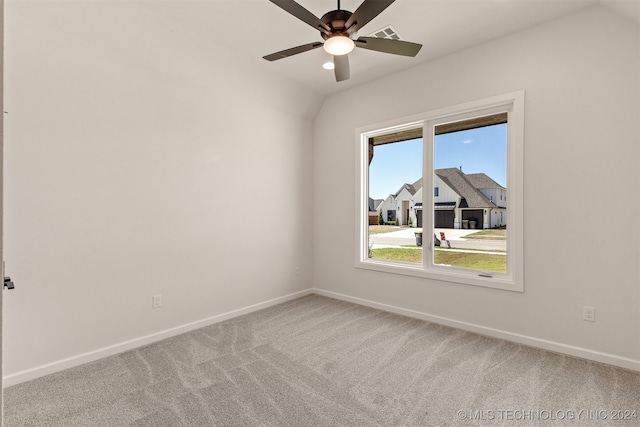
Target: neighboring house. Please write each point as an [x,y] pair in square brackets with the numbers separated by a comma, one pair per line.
[398,205]
[388,207]
[373,210]
[460,201]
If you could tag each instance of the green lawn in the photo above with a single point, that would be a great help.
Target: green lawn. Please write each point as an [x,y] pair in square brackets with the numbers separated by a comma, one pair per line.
[489,234]
[379,229]
[476,261]
[398,254]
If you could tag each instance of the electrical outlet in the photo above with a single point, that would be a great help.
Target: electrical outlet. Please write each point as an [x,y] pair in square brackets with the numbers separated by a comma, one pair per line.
[297,271]
[156,301]
[589,314]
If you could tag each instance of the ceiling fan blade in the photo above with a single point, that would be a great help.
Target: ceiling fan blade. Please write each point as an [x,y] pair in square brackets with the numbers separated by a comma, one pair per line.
[302,14]
[292,51]
[396,47]
[368,10]
[341,67]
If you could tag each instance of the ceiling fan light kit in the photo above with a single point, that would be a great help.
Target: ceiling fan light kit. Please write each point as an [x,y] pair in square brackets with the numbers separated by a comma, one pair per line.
[338,45]
[339,29]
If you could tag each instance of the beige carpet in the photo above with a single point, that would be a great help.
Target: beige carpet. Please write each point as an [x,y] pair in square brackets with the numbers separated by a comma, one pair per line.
[317,361]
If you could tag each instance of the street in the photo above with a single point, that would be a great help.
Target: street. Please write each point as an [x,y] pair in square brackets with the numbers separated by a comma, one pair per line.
[406,236]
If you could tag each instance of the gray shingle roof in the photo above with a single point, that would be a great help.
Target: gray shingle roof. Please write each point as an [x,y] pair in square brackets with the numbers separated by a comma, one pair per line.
[459,183]
[374,203]
[481,180]
[411,188]
[408,187]
[467,187]
[417,185]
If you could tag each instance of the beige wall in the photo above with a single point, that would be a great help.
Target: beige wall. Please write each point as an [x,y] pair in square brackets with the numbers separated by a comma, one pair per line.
[1,198]
[581,78]
[133,170]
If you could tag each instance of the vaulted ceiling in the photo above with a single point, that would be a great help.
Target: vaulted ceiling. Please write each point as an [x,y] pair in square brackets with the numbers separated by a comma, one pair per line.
[254,28]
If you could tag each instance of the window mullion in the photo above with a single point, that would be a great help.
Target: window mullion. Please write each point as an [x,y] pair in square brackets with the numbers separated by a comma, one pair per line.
[428,250]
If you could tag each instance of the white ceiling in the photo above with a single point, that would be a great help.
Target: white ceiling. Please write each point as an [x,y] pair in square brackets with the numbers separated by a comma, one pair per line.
[254,28]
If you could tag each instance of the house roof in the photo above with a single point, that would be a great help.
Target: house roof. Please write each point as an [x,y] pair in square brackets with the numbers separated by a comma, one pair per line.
[481,180]
[459,183]
[411,188]
[374,204]
[445,205]
[466,186]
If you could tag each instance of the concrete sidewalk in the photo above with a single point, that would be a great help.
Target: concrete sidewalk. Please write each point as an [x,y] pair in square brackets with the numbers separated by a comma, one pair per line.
[450,233]
[406,237]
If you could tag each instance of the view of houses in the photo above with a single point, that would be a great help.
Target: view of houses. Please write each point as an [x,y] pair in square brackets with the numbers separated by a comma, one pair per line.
[460,201]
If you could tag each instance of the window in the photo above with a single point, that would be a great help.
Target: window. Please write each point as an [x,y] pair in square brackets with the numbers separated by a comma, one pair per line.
[391,215]
[464,231]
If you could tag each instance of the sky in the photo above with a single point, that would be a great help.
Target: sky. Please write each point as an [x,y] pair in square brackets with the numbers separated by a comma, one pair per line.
[476,150]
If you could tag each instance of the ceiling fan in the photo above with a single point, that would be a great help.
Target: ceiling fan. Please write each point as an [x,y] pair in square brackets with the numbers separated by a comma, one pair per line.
[339,29]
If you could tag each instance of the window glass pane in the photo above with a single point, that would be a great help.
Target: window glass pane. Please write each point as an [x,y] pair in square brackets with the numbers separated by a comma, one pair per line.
[395,198]
[469,209]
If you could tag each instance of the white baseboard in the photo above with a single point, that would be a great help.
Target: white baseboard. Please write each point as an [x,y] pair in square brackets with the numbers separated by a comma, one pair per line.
[80,359]
[583,353]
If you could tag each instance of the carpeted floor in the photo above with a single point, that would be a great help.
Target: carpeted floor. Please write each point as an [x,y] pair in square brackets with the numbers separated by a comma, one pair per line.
[316,361]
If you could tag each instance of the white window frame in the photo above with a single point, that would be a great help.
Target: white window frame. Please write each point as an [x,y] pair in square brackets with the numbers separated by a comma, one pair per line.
[511,103]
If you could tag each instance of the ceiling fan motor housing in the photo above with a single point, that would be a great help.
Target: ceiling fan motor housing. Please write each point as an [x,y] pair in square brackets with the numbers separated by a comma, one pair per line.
[336,20]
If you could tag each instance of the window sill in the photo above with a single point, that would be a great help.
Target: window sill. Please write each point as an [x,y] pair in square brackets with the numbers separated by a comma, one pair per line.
[497,281]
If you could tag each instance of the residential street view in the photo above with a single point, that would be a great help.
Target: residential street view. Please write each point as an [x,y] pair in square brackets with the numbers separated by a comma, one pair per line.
[405,236]
[466,248]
